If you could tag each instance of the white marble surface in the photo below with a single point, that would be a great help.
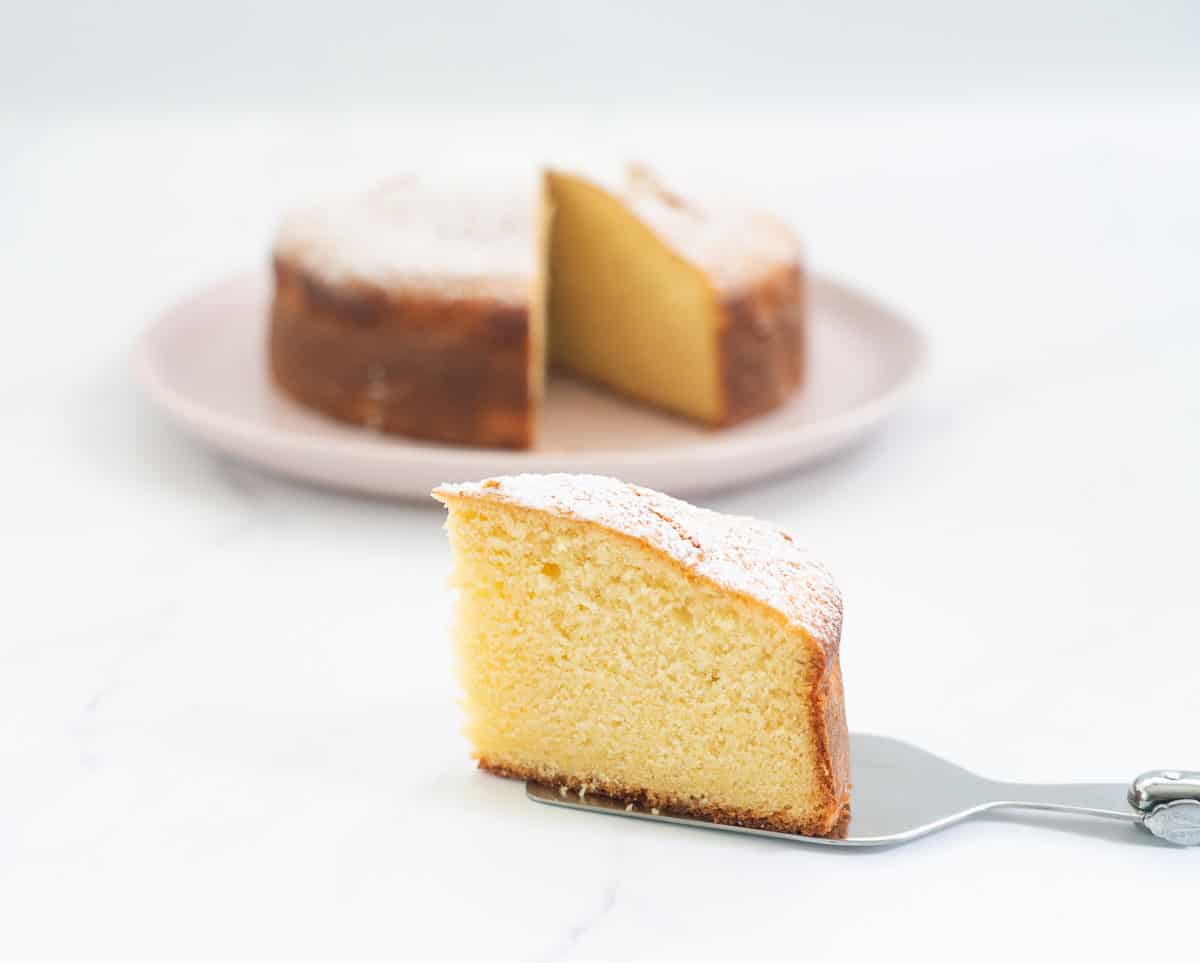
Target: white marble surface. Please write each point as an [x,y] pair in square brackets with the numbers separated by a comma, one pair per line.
[227,719]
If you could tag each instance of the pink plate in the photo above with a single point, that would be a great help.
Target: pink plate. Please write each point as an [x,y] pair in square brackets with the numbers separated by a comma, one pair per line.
[203,363]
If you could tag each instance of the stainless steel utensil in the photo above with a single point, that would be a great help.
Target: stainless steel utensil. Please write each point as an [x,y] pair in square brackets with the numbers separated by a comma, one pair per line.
[902,792]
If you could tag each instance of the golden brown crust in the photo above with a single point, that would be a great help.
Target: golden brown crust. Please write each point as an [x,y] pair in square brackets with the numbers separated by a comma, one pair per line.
[762,344]
[777,822]
[832,744]
[443,369]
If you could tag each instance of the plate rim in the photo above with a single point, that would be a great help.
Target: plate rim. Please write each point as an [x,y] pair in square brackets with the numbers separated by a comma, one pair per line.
[228,433]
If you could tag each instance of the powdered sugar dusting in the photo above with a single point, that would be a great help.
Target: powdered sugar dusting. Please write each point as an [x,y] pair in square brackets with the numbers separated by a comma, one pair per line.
[733,247]
[450,239]
[467,238]
[738,553]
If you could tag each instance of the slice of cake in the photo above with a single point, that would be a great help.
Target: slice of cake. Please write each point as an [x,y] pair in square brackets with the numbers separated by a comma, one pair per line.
[614,640]
[415,309]
[698,311]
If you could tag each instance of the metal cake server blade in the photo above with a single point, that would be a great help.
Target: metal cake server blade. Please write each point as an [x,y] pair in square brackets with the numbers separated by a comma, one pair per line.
[901,793]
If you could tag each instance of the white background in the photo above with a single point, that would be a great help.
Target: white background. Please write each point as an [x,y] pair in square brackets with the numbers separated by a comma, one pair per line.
[227,719]
[501,53]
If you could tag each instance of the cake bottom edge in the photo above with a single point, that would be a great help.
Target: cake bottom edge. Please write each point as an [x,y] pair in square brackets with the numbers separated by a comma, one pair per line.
[719,815]
[513,428]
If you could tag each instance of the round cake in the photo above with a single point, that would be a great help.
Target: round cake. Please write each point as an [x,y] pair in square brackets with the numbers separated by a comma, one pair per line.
[433,312]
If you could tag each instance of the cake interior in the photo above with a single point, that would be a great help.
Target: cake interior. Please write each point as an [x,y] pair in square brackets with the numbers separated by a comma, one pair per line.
[623,308]
[590,660]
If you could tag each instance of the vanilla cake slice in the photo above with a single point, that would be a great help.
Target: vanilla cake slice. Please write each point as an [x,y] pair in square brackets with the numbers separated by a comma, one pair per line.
[615,640]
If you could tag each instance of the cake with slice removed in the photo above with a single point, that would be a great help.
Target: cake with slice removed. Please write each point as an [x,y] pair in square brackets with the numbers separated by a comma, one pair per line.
[612,639]
[424,309]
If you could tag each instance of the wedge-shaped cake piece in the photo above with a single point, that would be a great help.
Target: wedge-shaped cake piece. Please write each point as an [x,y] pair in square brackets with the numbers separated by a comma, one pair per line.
[698,309]
[614,640]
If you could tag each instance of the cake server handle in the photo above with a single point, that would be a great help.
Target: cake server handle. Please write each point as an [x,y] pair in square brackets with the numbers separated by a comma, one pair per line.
[1165,801]
[1168,802]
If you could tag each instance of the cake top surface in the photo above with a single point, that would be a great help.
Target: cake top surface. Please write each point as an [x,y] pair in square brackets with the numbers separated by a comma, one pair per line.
[469,238]
[448,239]
[732,245]
[741,554]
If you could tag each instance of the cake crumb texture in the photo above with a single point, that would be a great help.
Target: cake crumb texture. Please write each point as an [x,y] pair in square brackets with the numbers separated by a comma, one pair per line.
[614,640]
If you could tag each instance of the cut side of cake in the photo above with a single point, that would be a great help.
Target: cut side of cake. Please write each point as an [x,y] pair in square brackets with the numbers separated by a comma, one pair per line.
[697,311]
[614,640]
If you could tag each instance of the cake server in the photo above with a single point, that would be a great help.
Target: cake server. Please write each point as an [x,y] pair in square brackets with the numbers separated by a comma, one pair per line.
[901,793]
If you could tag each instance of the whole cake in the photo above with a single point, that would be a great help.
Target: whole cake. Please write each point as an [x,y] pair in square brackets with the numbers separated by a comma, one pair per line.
[614,640]
[433,313]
